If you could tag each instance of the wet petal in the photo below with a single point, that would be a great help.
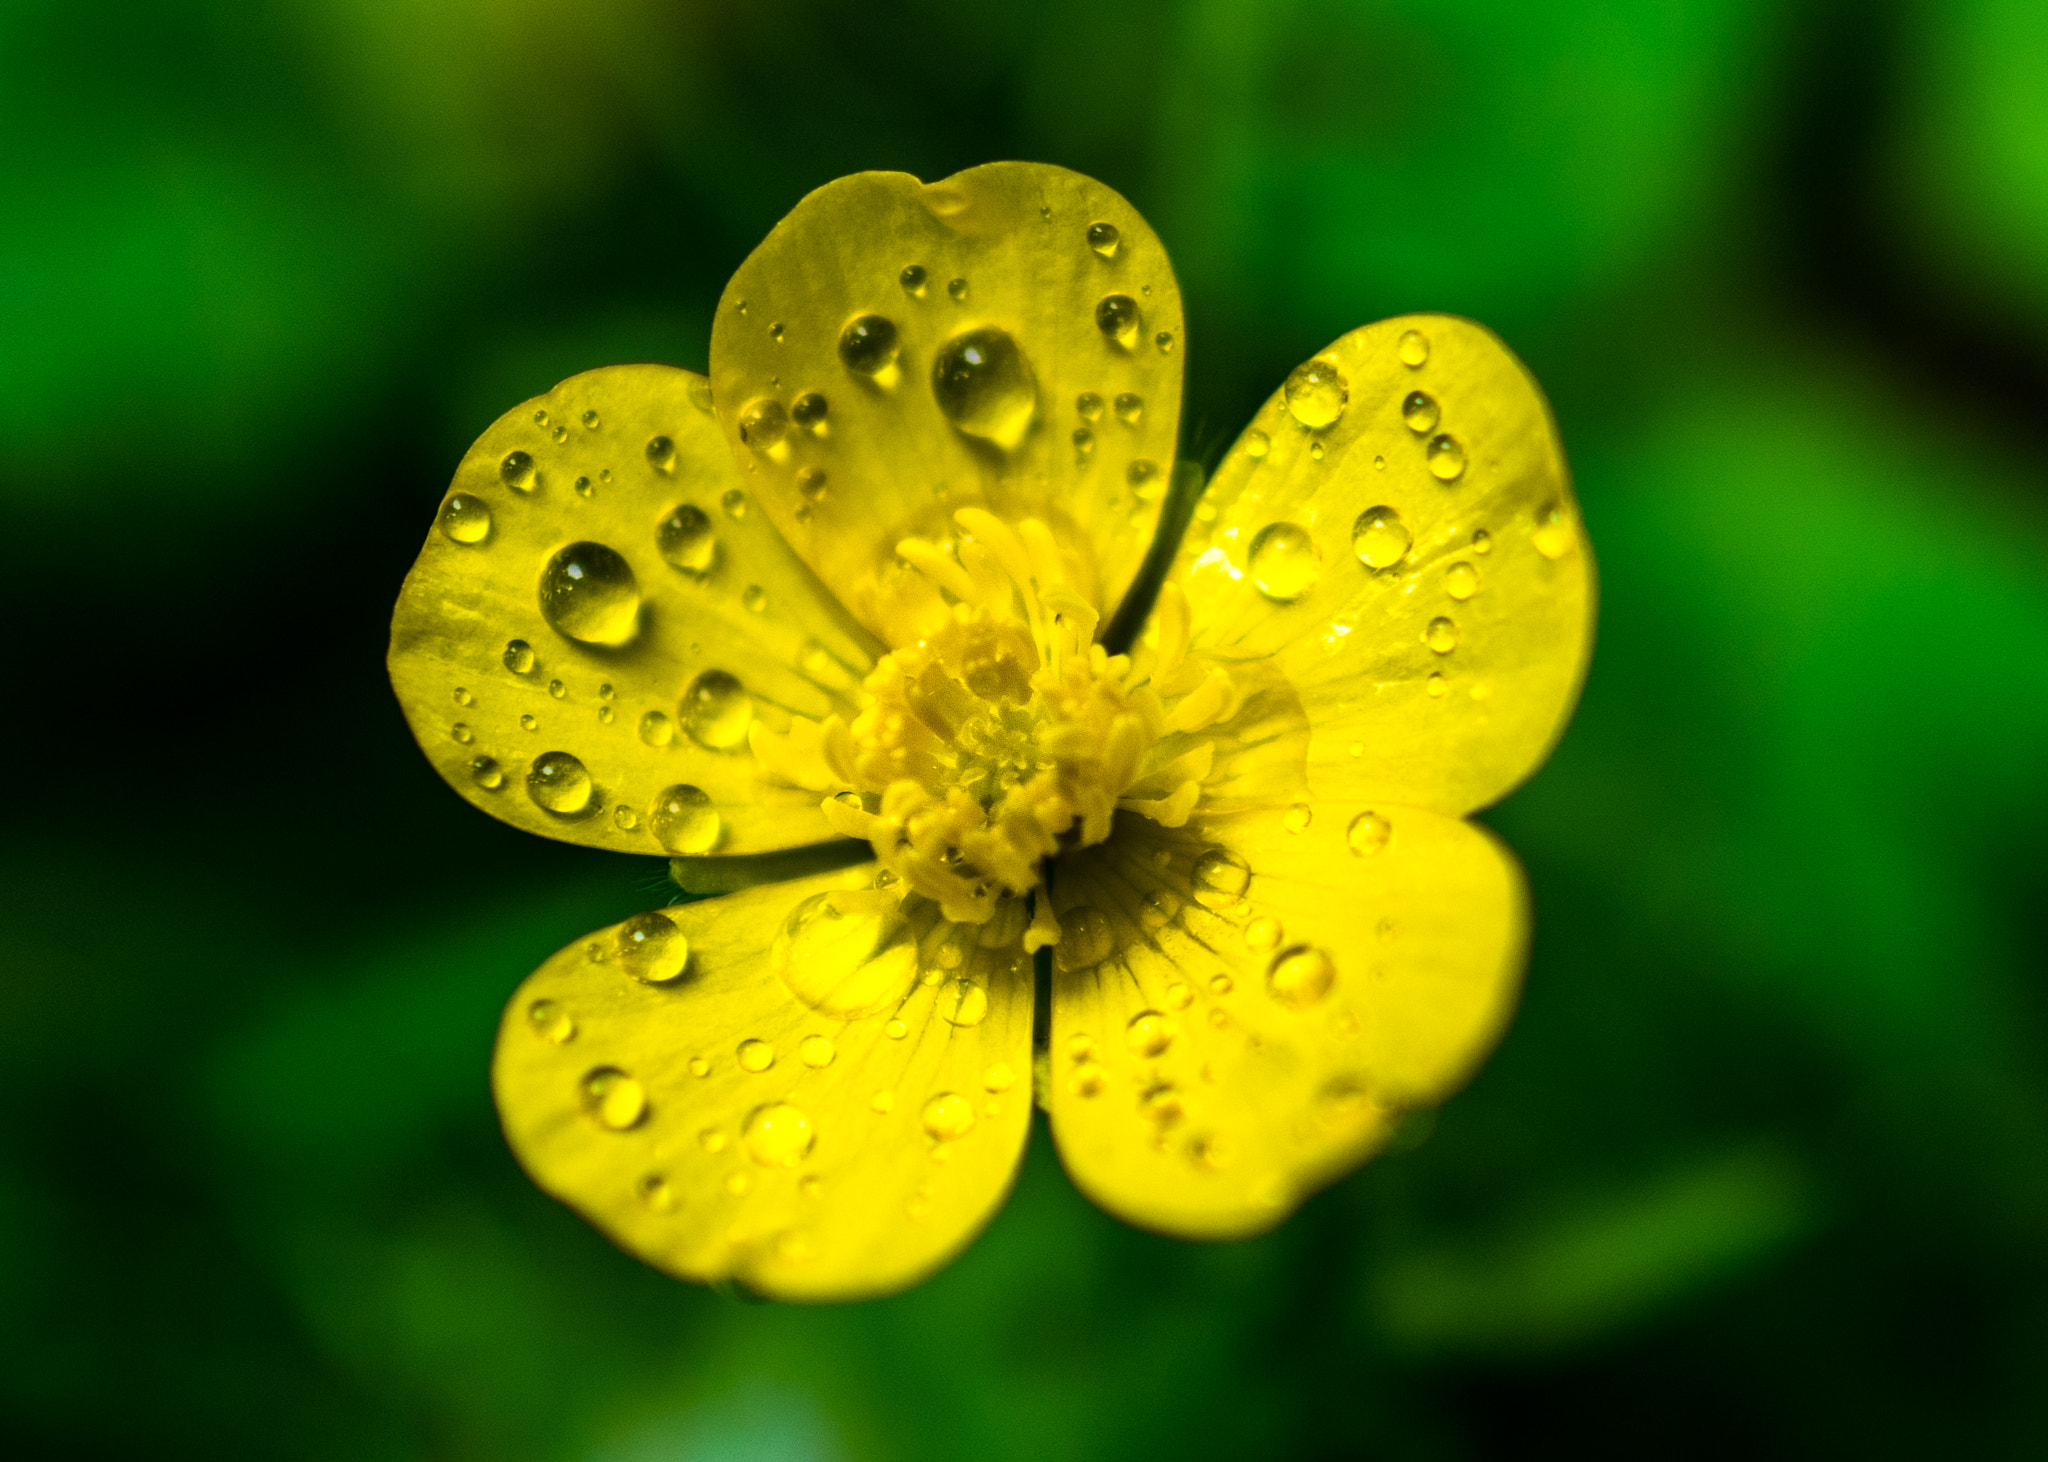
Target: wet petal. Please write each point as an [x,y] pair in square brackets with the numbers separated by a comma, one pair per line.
[664,1078]
[1396,532]
[601,615]
[1008,338]
[1242,1008]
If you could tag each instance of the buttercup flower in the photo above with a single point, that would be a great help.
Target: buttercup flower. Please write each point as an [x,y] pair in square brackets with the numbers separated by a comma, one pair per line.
[839,630]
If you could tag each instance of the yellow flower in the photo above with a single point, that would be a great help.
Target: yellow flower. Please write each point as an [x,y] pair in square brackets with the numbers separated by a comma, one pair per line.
[845,616]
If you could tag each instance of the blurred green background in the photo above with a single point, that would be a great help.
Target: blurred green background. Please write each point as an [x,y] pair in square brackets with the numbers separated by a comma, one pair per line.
[1761,1168]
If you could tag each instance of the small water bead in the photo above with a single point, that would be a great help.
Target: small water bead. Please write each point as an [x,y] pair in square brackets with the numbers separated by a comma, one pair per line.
[683,820]
[985,386]
[1412,349]
[1130,408]
[809,411]
[1316,393]
[1441,635]
[779,1135]
[550,1022]
[999,1077]
[1446,459]
[1221,984]
[1553,535]
[1461,581]
[656,729]
[1117,316]
[528,723]
[612,1099]
[1301,976]
[1284,562]
[811,483]
[1315,450]
[755,598]
[1080,1045]
[1150,1033]
[755,1055]
[712,1140]
[964,1003]
[588,592]
[816,1052]
[590,421]
[1164,340]
[763,424]
[1159,909]
[518,657]
[657,1193]
[1142,475]
[583,488]
[1380,538]
[948,1117]
[775,332]
[519,472]
[1262,934]
[686,541]
[1368,834]
[561,435]
[699,1067]
[698,388]
[734,501]
[486,773]
[1103,239]
[540,418]
[1436,685]
[912,279]
[957,288]
[1219,879]
[1419,413]
[652,949]
[558,783]
[463,697]
[1084,444]
[661,455]
[1482,542]
[1298,817]
[716,711]
[1179,995]
[1085,939]
[461,732]
[895,1030]
[1257,444]
[625,819]
[557,689]
[1088,1080]
[465,519]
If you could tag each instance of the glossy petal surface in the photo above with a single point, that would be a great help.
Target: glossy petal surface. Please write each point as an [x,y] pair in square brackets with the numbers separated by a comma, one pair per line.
[518,643]
[716,1125]
[1396,533]
[1018,367]
[1241,1008]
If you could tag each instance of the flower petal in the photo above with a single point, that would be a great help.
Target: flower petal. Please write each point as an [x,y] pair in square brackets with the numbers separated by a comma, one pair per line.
[1255,999]
[715,1125]
[600,616]
[1009,338]
[1396,531]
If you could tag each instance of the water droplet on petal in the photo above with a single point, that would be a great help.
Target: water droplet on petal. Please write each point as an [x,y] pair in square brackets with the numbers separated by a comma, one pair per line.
[1150,1033]
[461,732]
[912,279]
[1219,879]
[947,1116]
[1413,348]
[612,1099]
[528,723]
[699,391]
[657,1194]
[1301,976]
[1085,939]
[1436,685]
[816,1052]
[763,424]
[1159,909]
[518,657]
[1089,405]
[985,386]
[1368,834]
[1257,444]
[1084,444]
[557,689]
[683,820]
[588,592]
[716,711]
[518,472]
[1103,239]
[1553,536]
[895,1030]
[1130,408]
[1482,542]
[775,332]
[465,519]
[999,1077]
[755,598]
[779,1135]
[755,1055]
[1446,459]
[686,541]
[1164,340]
[809,411]
[1461,581]
[1441,635]
[1117,316]
[1316,393]
[845,955]
[625,819]
[558,783]
[1262,934]
[656,729]
[486,773]
[957,288]
[964,1003]
[550,1022]
[1298,817]
[1380,538]
[735,501]
[868,344]
[651,948]
[661,454]
[1419,413]
[1284,562]
[811,482]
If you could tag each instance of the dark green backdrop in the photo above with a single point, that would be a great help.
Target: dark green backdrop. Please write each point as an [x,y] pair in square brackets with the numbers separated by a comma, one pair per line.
[1760,1170]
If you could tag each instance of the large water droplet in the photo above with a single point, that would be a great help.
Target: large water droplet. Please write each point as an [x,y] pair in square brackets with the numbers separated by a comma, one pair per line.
[1380,538]
[763,424]
[868,344]
[985,387]
[588,592]
[912,279]
[779,1135]
[612,1099]
[1461,581]
[651,948]
[1103,239]
[1150,1033]
[1419,413]
[948,1116]
[1219,878]
[518,657]
[661,454]
[1368,834]
[1085,939]
[716,711]
[845,954]
[1412,349]
[465,519]
[558,783]
[1284,562]
[1301,976]
[809,411]
[683,821]
[1117,316]
[656,729]
[1316,393]
[1441,635]
[686,540]
[486,773]
[518,472]
[1446,459]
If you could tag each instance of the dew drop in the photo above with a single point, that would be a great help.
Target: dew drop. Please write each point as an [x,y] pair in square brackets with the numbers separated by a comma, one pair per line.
[557,689]
[465,519]
[518,472]
[699,391]
[735,502]
[656,729]
[612,1099]
[779,1135]
[1262,934]
[1085,939]
[912,279]
[1117,316]
[947,1116]
[883,1101]
[540,418]
[985,386]
[1219,878]
[957,288]
[816,1052]
[1298,817]
[1441,635]
[1221,984]
[583,488]
[763,424]
[1084,444]
[624,818]
[1130,408]
[1284,562]
[1368,834]
[716,711]
[1257,444]
[651,948]
[561,435]
[686,541]
[588,592]
[1088,1080]
[964,1003]
[1316,393]
[1461,581]
[1301,976]
[895,1030]
[811,483]
[809,411]
[775,332]
[1380,538]
[1089,405]
[656,1193]
[1553,535]
[1103,239]
[699,1067]
[661,455]
[461,732]
[683,820]
[558,783]
[868,344]
[1419,413]
[486,773]
[1446,459]
[999,1077]
[528,723]
[755,1055]
[1150,1033]
[550,1022]
[1412,349]
[1436,685]
[1143,476]
[1164,340]
[518,657]
[1159,909]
